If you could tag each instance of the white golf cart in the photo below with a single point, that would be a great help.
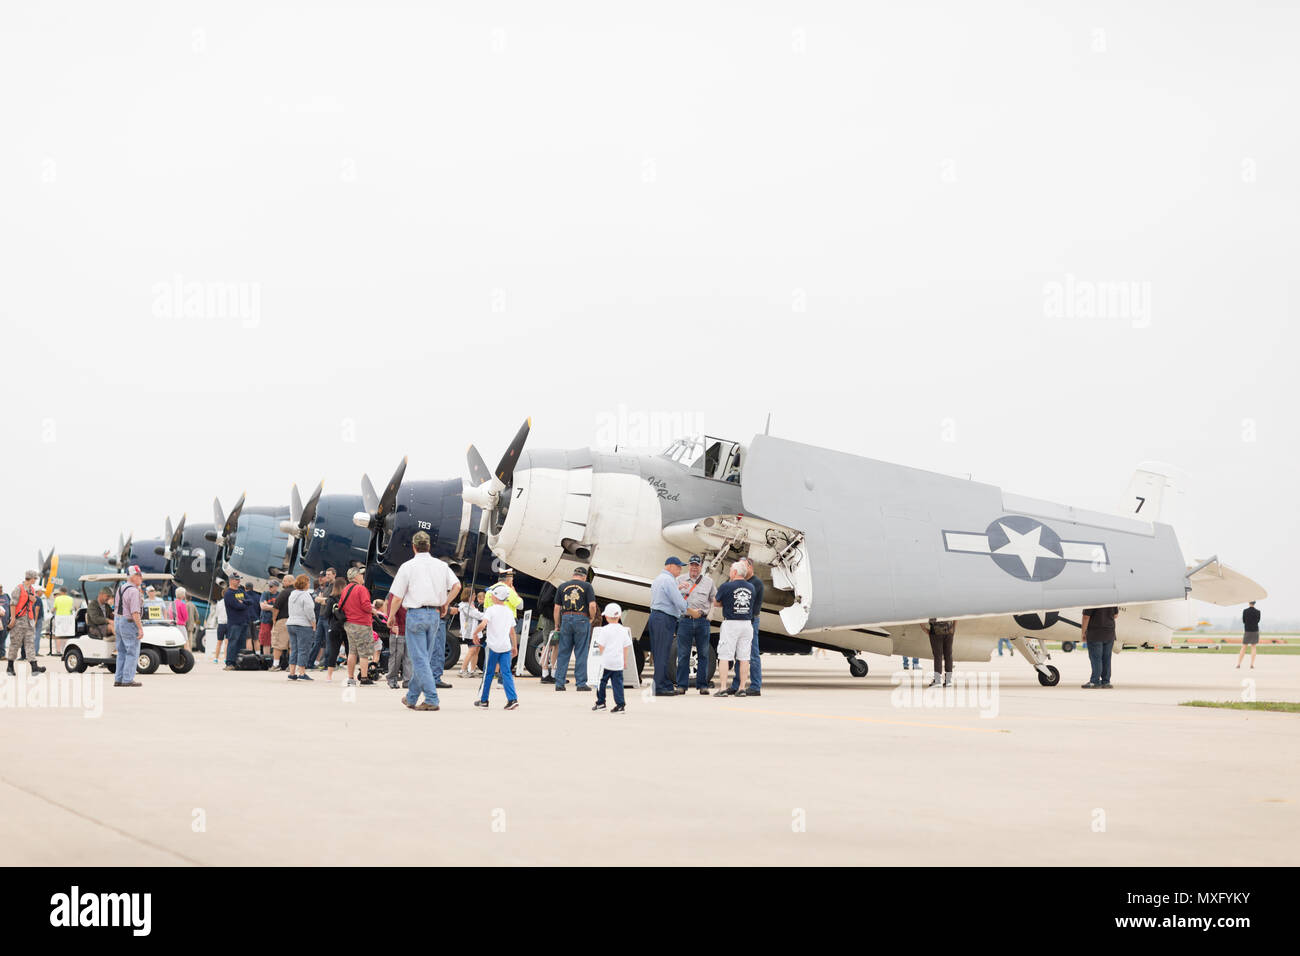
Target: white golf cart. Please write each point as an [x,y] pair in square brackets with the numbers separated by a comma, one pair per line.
[163,639]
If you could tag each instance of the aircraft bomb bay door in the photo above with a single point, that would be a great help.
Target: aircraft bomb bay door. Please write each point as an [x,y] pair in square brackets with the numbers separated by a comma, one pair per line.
[884,543]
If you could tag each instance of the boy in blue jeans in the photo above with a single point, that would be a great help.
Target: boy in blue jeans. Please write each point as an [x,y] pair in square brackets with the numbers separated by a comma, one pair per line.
[611,641]
[502,643]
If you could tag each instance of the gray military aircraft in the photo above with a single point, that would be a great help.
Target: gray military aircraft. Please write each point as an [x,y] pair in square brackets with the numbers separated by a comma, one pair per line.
[855,553]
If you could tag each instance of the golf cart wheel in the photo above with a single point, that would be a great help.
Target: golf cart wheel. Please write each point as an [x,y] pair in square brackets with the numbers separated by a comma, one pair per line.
[1067,646]
[73,661]
[1050,679]
[150,661]
[185,663]
[452,657]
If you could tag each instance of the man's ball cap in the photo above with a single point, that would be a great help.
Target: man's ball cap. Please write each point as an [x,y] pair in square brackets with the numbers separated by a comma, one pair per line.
[133,570]
[673,559]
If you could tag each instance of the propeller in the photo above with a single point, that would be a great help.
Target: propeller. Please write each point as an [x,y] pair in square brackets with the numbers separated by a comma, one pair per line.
[487,488]
[45,563]
[177,537]
[379,507]
[301,517]
[124,555]
[226,523]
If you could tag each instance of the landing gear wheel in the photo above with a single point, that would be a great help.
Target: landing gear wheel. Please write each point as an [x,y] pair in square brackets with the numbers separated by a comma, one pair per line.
[185,664]
[532,660]
[73,661]
[150,661]
[1051,678]
[1067,646]
[857,667]
[452,657]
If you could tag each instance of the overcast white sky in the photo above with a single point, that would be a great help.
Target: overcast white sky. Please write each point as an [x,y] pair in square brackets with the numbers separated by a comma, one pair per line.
[860,220]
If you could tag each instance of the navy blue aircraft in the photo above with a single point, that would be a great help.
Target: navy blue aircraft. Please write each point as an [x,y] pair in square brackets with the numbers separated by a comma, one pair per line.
[456,529]
[253,543]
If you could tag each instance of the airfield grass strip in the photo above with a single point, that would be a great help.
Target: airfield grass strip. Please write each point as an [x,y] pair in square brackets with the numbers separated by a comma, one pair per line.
[1276,706]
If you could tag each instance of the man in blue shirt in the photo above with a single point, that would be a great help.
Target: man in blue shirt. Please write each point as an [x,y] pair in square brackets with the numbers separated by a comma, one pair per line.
[666,606]
[241,609]
[737,600]
[755,664]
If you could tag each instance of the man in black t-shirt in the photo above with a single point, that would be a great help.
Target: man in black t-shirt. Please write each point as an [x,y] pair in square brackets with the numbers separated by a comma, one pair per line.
[1250,636]
[1099,635]
[280,625]
[575,612]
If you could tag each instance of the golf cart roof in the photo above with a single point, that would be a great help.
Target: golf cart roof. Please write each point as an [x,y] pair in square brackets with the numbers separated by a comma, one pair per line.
[118,576]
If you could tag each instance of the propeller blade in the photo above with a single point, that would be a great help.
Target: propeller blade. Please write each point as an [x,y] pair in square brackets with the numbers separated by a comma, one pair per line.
[232,520]
[178,537]
[506,467]
[478,469]
[218,516]
[389,501]
[295,503]
[167,527]
[369,500]
[309,510]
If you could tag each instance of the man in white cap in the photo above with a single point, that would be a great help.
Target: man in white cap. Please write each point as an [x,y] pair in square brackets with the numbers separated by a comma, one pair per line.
[127,604]
[612,641]
[22,628]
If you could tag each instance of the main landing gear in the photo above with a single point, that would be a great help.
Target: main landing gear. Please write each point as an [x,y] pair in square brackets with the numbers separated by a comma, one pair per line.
[1037,656]
[857,666]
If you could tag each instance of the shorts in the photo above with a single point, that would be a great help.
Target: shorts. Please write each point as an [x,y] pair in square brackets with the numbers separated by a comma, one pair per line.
[264,634]
[734,640]
[280,636]
[1249,638]
[361,640]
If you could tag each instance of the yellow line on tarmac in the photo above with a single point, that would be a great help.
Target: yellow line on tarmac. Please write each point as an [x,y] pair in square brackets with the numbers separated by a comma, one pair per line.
[871,720]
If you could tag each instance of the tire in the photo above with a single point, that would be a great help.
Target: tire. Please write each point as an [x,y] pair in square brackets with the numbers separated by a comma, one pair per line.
[532,662]
[74,661]
[858,667]
[186,663]
[150,661]
[639,653]
[1067,646]
[452,657]
[1050,679]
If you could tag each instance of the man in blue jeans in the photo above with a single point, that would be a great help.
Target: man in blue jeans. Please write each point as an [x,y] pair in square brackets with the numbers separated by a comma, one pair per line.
[426,587]
[666,606]
[241,607]
[755,662]
[693,626]
[575,612]
[324,585]
[127,628]
[1098,630]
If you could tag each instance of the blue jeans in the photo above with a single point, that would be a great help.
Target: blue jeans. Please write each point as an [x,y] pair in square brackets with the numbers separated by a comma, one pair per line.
[128,651]
[1099,657]
[318,639]
[300,636]
[421,638]
[236,634]
[495,658]
[438,648]
[616,679]
[662,628]
[692,632]
[755,667]
[1006,641]
[575,638]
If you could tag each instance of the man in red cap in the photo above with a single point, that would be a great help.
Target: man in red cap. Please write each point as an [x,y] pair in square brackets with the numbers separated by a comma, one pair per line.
[126,617]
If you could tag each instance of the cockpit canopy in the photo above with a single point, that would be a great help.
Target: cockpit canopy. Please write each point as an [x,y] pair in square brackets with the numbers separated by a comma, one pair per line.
[717,458]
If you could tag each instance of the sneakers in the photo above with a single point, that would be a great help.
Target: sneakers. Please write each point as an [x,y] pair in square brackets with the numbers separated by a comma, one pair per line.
[352,682]
[512,705]
[741,693]
[582,687]
[462,674]
[597,706]
[1089,686]
[548,679]
[134,683]
[407,704]
[392,685]
[704,691]
[559,687]
[366,680]
[753,692]
[426,706]
[619,709]
[230,667]
[725,692]
[443,685]
[303,677]
[293,677]
[480,703]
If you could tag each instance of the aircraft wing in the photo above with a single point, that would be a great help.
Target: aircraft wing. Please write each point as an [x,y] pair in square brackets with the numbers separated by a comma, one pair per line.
[1217,583]
[886,543]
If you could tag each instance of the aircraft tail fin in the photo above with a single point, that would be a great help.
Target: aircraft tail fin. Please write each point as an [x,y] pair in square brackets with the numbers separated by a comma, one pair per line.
[1146,492]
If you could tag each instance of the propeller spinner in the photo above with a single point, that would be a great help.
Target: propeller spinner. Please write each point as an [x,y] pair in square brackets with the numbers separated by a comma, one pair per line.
[488,487]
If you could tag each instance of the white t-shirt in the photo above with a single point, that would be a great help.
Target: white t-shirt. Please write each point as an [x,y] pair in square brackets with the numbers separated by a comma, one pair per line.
[423,581]
[612,638]
[500,622]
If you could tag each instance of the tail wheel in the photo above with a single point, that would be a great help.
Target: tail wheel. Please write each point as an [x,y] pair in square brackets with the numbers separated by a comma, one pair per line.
[1051,678]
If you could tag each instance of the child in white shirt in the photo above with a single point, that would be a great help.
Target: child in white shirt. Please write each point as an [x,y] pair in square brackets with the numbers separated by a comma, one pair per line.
[612,641]
[502,641]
